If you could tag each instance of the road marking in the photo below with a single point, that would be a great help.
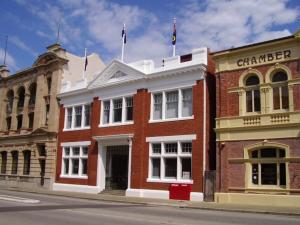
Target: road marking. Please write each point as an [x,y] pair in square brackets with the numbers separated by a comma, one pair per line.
[18,199]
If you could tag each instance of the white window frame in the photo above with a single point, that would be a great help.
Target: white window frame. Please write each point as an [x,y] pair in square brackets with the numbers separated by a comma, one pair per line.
[83,126]
[70,157]
[163,155]
[111,112]
[164,105]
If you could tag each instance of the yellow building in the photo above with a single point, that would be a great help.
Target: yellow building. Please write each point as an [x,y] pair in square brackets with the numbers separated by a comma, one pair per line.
[258,122]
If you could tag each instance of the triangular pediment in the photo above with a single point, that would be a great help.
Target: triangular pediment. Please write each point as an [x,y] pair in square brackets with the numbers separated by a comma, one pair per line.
[115,73]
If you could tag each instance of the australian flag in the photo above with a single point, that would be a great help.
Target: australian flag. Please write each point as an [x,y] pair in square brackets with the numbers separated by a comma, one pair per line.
[86,63]
[124,34]
[174,34]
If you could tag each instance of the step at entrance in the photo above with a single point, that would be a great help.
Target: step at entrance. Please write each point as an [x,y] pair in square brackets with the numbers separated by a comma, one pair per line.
[113,192]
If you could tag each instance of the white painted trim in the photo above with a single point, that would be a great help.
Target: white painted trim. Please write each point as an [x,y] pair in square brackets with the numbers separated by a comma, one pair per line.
[79,103]
[73,176]
[116,124]
[159,194]
[113,137]
[196,196]
[78,128]
[76,188]
[101,167]
[111,113]
[168,181]
[76,143]
[171,119]
[147,193]
[188,137]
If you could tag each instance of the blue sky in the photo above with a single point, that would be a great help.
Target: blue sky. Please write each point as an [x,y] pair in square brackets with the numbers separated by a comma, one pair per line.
[96,24]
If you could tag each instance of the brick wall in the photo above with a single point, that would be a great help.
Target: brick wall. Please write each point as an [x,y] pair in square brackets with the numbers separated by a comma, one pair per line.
[228,103]
[142,129]
[233,174]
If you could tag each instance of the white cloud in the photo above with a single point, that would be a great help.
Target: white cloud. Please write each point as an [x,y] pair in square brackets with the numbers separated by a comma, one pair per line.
[43,34]
[20,44]
[10,61]
[217,24]
[223,24]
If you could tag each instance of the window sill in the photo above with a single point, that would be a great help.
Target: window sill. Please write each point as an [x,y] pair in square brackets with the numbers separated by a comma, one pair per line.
[73,176]
[171,119]
[116,124]
[266,188]
[153,180]
[252,113]
[78,128]
[280,111]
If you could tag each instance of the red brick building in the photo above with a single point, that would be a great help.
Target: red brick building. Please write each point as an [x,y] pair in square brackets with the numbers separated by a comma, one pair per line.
[139,128]
[258,122]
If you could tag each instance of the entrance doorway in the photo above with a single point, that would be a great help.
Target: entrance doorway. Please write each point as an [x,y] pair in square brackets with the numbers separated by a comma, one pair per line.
[116,169]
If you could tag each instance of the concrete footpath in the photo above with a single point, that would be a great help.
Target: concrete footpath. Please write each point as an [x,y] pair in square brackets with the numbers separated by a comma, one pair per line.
[172,203]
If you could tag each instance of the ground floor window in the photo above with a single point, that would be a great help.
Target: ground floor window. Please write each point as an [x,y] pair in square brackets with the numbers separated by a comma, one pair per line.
[3,162]
[14,163]
[171,161]
[268,167]
[26,165]
[75,161]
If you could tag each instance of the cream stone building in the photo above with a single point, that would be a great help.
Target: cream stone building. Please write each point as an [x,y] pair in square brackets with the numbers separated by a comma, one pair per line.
[29,114]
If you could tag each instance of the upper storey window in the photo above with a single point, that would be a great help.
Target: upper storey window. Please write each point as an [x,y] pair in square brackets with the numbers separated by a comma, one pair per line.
[78,117]
[280,91]
[252,94]
[117,111]
[10,101]
[32,94]
[21,93]
[175,104]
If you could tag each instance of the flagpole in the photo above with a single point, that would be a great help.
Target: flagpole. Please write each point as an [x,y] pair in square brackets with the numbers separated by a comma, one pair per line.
[123,44]
[174,49]
[4,61]
[83,74]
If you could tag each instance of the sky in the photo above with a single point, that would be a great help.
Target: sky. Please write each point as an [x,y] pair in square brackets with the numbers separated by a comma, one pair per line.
[31,26]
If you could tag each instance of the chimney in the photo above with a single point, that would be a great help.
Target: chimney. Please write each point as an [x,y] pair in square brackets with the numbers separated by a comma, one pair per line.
[4,72]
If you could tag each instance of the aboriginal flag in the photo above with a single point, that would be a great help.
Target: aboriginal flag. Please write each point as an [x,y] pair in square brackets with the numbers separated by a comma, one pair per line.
[174,34]
[124,34]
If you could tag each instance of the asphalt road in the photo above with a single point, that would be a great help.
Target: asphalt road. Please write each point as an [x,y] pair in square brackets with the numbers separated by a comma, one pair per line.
[64,211]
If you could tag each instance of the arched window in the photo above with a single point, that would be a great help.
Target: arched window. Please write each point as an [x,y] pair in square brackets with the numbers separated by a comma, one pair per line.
[32,90]
[3,162]
[10,101]
[268,166]
[252,94]
[280,91]
[14,162]
[21,95]
[26,165]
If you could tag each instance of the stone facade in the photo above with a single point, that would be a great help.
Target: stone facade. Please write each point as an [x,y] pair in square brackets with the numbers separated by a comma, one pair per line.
[29,115]
[258,120]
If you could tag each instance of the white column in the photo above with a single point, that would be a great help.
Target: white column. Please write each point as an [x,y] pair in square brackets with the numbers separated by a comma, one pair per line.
[101,167]
[163,105]
[123,119]
[129,163]
[179,103]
